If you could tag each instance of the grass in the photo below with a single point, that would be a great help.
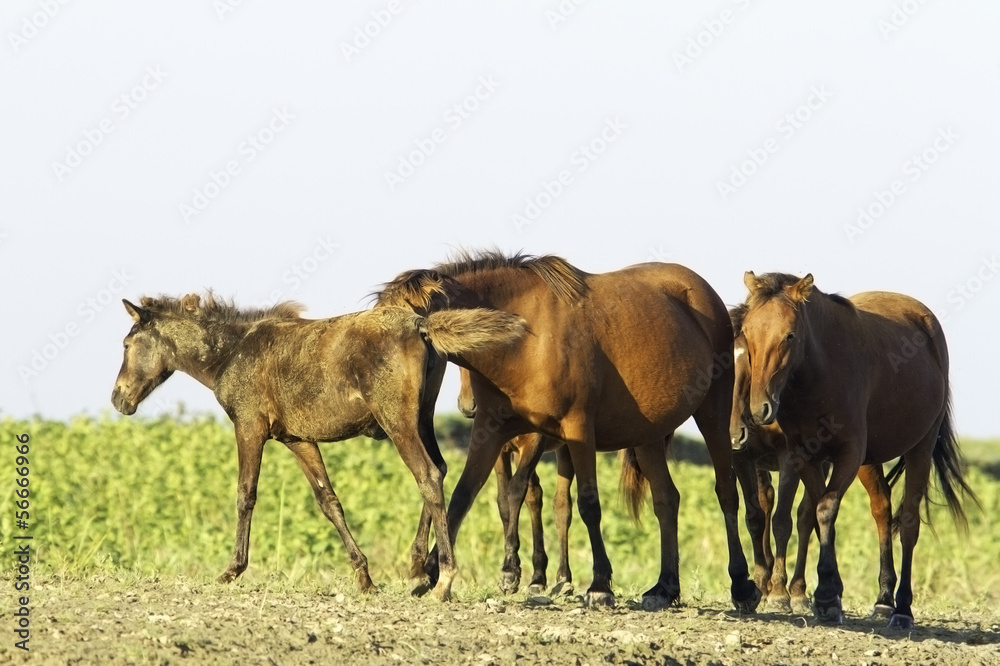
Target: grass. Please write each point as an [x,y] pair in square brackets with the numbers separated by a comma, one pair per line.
[156,498]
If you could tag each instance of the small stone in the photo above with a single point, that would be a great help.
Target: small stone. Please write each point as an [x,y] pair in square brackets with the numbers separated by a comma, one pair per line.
[733,639]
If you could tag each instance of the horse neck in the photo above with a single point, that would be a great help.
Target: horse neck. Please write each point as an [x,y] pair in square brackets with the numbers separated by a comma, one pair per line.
[203,349]
[827,334]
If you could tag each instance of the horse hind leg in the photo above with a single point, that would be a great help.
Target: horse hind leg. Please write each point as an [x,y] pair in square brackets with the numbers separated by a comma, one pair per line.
[539,558]
[529,452]
[563,502]
[584,455]
[666,501]
[918,468]
[872,478]
[712,418]
[308,456]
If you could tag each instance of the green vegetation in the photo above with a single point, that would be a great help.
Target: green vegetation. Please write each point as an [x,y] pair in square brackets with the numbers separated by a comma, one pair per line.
[118,496]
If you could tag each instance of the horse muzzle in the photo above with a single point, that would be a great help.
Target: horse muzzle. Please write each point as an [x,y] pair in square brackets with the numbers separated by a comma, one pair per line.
[766,413]
[739,440]
[123,404]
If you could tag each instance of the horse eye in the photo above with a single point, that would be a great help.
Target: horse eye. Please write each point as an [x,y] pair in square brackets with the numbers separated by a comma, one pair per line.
[789,337]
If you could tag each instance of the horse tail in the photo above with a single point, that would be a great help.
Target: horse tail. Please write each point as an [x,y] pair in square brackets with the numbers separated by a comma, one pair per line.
[454,332]
[897,471]
[948,464]
[632,483]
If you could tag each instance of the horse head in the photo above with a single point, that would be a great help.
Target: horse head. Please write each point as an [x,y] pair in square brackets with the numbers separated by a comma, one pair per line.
[775,334]
[147,363]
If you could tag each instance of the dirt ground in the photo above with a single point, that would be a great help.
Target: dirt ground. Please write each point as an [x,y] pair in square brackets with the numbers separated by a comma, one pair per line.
[171,622]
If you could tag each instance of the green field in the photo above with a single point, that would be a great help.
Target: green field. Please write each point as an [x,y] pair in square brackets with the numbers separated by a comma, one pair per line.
[116,496]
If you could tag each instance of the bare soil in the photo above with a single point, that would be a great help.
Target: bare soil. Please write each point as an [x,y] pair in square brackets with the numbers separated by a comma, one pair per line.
[104,621]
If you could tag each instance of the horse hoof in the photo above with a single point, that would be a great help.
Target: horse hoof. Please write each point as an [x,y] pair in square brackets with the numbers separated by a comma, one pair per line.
[660,596]
[900,621]
[509,581]
[780,605]
[442,593]
[883,611]
[801,606]
[750,603]
[563,588]
[365,585]
[596,599]
[419,587]
[830,612]
[536,588]
[655,603]
[228,576]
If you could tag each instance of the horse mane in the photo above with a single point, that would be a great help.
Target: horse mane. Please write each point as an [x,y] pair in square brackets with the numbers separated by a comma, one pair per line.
[218,310]
[416,288]
[566,280]
[737,314]
[772,285]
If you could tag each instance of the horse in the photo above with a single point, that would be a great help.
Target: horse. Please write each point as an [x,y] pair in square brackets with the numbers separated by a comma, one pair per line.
[856,382]
[514,489]
[278,376]
[611,361]
[763,448]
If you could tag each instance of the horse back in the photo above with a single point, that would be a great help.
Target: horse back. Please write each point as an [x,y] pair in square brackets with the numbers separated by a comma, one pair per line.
[315,380]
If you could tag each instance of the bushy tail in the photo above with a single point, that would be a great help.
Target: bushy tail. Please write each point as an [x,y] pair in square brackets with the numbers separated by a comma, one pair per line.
[632,483]
[948,465]
[454,332]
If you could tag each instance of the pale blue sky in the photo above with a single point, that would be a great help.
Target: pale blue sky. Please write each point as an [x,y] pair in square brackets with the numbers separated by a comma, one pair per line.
[271,152]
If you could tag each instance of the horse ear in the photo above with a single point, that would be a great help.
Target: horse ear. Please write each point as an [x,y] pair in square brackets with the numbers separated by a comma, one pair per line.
[800,290]
[751,281]
[139,315]
[191,303]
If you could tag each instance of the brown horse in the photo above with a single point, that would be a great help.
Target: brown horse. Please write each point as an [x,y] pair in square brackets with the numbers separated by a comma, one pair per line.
[301,381]
[856,382]
[612,361]
[514,489]
[764,447]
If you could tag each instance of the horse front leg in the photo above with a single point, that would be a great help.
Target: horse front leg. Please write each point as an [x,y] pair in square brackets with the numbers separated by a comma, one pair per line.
[250,449]
[311,461]
[745,465]
[830,587]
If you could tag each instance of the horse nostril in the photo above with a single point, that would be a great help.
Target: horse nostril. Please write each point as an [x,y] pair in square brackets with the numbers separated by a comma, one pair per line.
[743,434]
[766,412]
